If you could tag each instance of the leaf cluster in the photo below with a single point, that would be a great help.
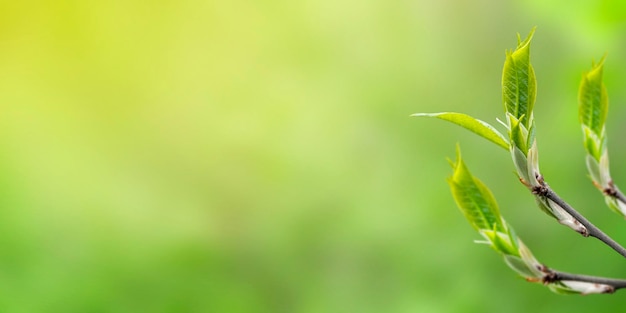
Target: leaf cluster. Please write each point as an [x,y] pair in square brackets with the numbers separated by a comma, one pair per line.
[476,201]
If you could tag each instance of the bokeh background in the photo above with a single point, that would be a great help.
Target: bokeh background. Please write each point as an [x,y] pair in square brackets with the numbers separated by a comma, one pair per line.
[258,156]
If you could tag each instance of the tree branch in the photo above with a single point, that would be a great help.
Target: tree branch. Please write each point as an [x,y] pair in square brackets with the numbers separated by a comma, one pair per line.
[592,230]
[553,276]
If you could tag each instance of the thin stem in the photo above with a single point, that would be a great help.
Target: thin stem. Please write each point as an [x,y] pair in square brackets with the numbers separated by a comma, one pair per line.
[609,285]
[615,283]
[614,192]
[604,284]
[619,195]
[592,230]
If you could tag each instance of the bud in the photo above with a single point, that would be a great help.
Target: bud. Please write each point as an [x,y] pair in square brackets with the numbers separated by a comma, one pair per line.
[525,263]
[564,218]
[584,288]
[519,85]
[533,166]
[521,165]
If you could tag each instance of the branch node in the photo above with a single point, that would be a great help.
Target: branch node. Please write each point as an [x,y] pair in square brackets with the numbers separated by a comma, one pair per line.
[611,190]
[549,276]
[540,190]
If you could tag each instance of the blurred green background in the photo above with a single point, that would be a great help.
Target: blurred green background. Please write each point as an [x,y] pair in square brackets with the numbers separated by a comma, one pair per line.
[242,156]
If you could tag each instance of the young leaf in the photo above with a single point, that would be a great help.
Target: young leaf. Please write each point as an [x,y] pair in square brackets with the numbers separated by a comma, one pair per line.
[474,199]
[524,263]
[593,101]
[594,145]
[517,264]
[517,133]
[615,205]
[521,164]
[533,165]
[519,85]
[500,242]
[593,167]
[593,106]
[480,208]
[474,125]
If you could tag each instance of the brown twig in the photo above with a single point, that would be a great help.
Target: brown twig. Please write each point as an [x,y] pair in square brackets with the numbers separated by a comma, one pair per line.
[553,276]
[592,230]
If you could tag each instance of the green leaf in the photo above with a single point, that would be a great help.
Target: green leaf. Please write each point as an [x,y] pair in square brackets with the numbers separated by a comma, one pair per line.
[474,199]
[593,101]
[521,164]
[500,242]
[544,206]
[474,125]
[530,140]
[533,165]
[593,167]
[517,264]
[519,85]
[518,134]
[614,205]
[592,143]
[561,289]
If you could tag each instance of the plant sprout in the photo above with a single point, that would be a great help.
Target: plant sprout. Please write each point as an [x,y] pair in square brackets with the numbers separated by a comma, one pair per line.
[477,203]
